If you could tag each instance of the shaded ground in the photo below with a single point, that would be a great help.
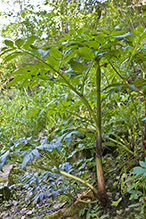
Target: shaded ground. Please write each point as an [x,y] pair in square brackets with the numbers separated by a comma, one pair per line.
[21,209]
[20,206]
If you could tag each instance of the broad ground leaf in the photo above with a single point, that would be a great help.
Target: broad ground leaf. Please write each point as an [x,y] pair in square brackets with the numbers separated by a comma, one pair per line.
[140,28]
[142,164]
[3,159]
[139,82]
[28,157]
[74,132]
[138,170]
[143,35]
[100,38]
[75,44]
[67,167]
[25,70]
[105,31]
[73,32]
[4,48]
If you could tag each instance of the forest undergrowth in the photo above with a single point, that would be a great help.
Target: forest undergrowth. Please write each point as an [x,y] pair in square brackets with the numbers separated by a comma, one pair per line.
[73,111]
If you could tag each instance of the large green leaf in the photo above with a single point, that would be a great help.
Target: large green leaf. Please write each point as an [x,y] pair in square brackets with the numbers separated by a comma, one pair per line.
[15,80]
[66,36]
[55,53]
[92,44]
[52,61]
[9,43]
[75,44]
[73,32]
[86,53]
[76,66]
[100,38]
[19,42]
[25,70]
[69,55]
[29,41]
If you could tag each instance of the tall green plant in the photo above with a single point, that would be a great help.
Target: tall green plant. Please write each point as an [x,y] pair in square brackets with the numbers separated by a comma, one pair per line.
[75,62]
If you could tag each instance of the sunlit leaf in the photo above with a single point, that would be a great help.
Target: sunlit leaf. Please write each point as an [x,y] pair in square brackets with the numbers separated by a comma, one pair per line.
[12,56]
[30,40]
[15,80]
[55,53]
[52,61]
[19,42]
[76,66]
[69,56]
[100,38]
[116,203]
[9,43]
[86,53]
[92,44]
[66,36]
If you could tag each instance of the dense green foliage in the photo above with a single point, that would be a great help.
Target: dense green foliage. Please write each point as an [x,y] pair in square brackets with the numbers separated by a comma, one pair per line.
[71,76]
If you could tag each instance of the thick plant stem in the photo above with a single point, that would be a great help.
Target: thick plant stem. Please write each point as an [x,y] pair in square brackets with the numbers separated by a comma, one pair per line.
[100,178]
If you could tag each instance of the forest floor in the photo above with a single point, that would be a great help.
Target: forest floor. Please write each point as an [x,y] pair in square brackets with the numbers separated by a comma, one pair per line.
[20,205]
